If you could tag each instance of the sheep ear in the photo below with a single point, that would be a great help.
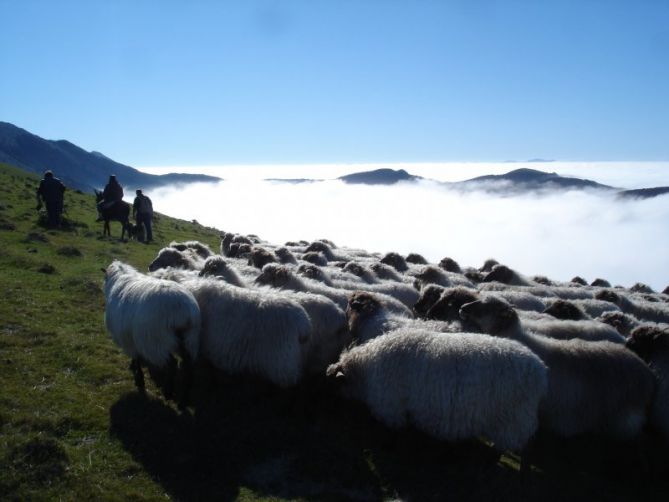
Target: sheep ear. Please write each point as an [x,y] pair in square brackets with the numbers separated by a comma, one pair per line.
[340,375]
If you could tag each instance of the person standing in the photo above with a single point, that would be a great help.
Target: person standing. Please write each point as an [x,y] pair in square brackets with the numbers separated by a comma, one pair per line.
[142,212]
[51,190]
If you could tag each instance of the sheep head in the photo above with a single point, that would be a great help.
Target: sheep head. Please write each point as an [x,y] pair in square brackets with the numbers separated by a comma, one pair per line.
[566,310]
[640,287]
[447,307]
[428,297]
[215,265]
[320,247]
[285,256]
[450,265]
[169,257]
[488,265]
[608,296]
[312,272]
[416,259]
[274,275]
[579,281]
[601,283]
[500,273]
[491,315]
[646,341]
[396,261]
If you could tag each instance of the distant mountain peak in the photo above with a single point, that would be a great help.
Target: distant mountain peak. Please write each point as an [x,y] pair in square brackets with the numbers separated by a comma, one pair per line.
[383,176]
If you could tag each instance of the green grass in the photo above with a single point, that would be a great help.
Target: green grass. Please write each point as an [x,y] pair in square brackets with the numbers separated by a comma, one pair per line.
[72,426]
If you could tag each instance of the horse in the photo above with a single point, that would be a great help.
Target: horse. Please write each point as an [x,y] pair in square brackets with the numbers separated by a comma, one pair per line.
[118,212]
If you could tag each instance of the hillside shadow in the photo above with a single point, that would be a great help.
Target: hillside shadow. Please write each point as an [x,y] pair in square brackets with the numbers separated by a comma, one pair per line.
[245,435]
[311,445]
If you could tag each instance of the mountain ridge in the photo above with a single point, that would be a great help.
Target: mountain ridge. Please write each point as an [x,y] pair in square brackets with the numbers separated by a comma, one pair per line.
[76,167]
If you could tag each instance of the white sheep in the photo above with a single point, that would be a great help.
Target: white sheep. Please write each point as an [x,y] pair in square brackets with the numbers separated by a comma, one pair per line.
[151,320]
[597,387]
[453,387]
[202,250]
[245,331]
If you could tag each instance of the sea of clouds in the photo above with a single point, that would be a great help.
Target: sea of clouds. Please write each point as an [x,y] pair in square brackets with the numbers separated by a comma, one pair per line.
[559,235]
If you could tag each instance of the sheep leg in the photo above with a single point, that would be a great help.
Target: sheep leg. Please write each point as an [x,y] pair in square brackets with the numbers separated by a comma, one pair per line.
[138,374]
[170,374]
[187,378]
[526,455]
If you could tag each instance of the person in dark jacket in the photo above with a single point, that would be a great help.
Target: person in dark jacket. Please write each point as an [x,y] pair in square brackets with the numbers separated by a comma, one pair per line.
[112,194]
[51,191]
[142,211]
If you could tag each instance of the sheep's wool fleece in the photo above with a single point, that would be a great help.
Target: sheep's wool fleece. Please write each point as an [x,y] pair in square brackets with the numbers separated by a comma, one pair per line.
[453,386]
[144,314]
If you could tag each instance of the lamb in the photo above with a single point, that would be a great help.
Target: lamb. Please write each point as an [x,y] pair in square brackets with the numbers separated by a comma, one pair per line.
[216,266]
[452,387]
[246,331]
[172,257]
[368,318]
[278,276]
[642,310]
[592,387]
[651,343]
[151,320]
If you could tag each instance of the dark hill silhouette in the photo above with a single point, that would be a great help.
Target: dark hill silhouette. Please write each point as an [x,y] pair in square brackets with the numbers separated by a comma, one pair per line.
[76,167]
[379,177]
[525,179]
[643,193]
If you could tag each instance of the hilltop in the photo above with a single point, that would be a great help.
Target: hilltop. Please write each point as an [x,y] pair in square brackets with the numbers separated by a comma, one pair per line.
[76,167]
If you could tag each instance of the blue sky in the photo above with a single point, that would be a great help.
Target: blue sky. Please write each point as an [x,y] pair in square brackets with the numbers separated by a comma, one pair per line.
[196,83]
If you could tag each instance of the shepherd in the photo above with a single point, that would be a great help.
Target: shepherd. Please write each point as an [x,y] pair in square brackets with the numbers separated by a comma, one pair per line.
[142,212]
[51,191]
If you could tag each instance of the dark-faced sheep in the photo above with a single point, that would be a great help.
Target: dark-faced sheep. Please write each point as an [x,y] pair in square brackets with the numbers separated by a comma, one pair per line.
[428,297]
[284,255]
[601,283]
[578,281]
[488,265]
[503,274]
[323,248]
[593,387]
[623,323]
[201,249]
[642,310]
[566,310]
[317,258]
[640,287]
[314,272]
[361,271]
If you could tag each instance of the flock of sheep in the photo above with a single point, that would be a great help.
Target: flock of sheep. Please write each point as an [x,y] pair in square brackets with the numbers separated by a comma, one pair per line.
[457,353]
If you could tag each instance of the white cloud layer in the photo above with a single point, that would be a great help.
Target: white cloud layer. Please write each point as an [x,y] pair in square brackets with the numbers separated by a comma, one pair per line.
[560,235]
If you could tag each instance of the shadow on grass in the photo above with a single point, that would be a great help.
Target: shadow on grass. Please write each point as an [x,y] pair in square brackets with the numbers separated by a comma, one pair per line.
[311,445]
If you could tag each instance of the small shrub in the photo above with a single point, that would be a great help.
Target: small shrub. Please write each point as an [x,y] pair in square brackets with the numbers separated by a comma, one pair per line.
[69,251]
[40,460]
[36,237]
[7,225]
[47,268]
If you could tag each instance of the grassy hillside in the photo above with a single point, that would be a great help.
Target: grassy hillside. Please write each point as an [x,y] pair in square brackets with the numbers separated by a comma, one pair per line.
[72,427]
